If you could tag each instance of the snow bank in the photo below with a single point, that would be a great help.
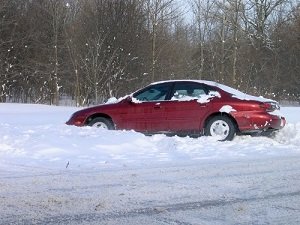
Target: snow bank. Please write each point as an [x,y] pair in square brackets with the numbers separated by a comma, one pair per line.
[35,136]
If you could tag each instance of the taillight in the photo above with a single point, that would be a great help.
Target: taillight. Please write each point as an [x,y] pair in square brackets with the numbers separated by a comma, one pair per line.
[269,106]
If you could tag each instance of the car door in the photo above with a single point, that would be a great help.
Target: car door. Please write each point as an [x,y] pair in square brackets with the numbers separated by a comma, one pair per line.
[145,111]
[187,107]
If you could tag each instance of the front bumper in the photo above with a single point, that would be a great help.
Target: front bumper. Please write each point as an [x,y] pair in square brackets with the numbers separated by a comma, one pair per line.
[76,121]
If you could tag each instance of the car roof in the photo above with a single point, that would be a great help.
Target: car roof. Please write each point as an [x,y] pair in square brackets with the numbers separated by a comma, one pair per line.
[212,83]
[234,92]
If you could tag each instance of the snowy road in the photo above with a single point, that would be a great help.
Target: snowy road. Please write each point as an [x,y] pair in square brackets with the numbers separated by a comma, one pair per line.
[248,192]
[51,173]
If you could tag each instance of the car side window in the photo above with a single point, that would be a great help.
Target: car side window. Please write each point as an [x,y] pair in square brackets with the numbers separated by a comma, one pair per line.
[156,92]
[188,91]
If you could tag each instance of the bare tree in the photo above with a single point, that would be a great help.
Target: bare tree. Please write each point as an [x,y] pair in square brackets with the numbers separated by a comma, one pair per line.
[57,13]
[202,11]
[233,12]
[71,32]
[93,49]
[236,28]
[159,12]
[7,28]
[256,15]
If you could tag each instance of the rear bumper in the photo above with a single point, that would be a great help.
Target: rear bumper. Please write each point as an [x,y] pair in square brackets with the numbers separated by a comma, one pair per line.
[258,121]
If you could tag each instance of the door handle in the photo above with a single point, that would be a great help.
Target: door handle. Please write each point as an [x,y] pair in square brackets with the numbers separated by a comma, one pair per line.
[157,107]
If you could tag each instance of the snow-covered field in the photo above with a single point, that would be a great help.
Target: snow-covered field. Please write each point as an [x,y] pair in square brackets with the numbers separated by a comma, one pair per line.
[36,136]
[52,173]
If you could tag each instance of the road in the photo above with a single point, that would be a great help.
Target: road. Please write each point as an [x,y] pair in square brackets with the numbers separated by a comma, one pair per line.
[243,192]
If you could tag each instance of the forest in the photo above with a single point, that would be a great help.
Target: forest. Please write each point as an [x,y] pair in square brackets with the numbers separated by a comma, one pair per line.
[90,50]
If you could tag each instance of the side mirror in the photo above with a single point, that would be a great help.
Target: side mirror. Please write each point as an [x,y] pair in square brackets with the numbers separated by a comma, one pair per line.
[129,98]
[132,100]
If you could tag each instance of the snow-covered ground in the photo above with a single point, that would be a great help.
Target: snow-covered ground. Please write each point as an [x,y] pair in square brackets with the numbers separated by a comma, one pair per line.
[36,136]
[52,173]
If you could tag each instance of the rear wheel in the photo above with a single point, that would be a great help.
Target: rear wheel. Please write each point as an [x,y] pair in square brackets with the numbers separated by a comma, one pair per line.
[101,122]
[221,127]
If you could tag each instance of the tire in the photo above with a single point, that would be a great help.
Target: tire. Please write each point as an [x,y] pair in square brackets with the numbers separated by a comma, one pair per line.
[221,127]
[101,122]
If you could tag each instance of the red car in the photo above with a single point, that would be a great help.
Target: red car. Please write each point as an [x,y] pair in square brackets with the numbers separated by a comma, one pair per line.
[186,107]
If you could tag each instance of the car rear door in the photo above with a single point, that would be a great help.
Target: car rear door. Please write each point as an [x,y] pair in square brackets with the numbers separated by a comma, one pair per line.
[188,105]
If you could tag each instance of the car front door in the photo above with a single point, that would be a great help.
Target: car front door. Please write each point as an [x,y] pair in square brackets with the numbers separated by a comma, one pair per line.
[145,111]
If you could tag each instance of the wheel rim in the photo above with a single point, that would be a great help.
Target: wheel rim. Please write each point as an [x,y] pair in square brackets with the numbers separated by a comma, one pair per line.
[100,125]
[220,129]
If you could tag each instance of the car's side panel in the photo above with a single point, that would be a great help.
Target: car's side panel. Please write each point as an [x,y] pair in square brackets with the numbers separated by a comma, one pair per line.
[185,116]
[143,117]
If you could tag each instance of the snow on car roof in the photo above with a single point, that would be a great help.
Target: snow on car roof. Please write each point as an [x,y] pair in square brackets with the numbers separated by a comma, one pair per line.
[234,92]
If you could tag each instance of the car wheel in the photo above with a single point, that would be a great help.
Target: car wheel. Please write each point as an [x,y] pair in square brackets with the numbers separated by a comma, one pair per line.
[101,122]
[221,127]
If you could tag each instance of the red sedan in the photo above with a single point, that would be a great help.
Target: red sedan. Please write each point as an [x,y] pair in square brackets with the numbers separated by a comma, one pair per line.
[186,107]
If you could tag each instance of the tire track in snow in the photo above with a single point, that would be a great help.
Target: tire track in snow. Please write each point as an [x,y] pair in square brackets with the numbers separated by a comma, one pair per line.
[150,211]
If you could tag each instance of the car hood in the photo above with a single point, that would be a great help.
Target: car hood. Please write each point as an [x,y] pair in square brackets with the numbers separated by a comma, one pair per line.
[97,108]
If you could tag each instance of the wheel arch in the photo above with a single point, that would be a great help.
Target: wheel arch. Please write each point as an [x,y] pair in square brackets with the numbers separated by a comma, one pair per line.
[96,115]
[208,118]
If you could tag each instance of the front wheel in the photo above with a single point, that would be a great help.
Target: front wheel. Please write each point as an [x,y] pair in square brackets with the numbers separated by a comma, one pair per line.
[221,127]
[101,122]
